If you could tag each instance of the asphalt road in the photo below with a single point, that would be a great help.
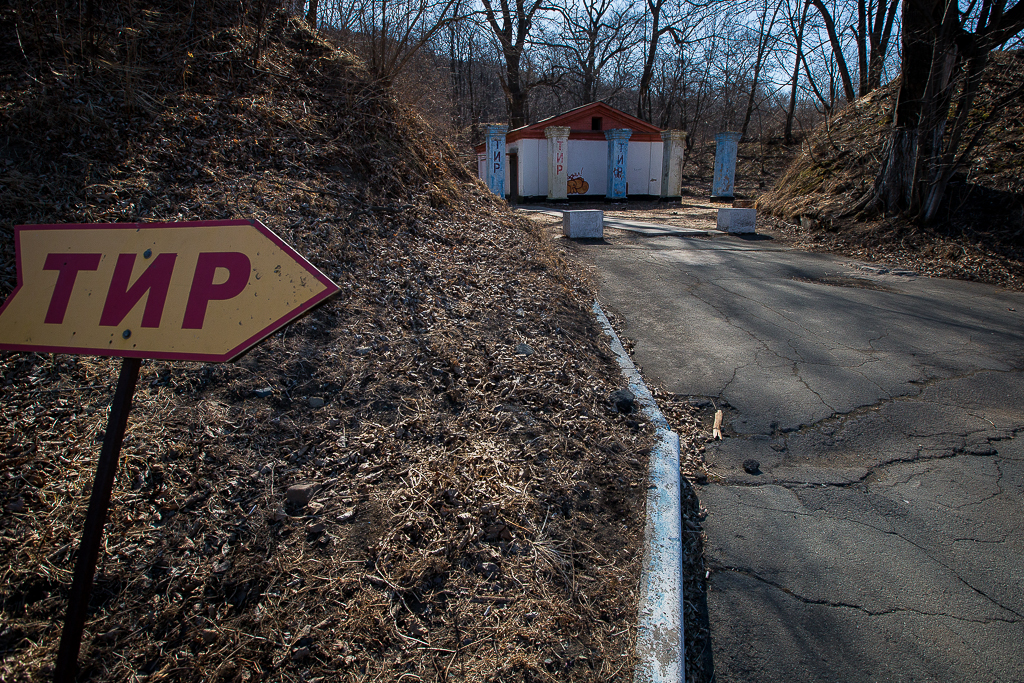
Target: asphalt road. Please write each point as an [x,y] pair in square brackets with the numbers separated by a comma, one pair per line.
[883,539]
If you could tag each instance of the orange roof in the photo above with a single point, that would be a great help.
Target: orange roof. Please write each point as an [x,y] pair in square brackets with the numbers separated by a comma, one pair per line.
[581,121]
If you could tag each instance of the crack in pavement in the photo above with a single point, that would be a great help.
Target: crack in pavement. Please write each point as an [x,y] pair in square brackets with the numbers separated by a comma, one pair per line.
[840,418]
[796,373]
[893,532]
[744,571]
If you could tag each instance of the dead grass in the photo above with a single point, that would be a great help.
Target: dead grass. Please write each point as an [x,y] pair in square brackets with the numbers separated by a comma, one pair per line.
[980,231]
[477,511]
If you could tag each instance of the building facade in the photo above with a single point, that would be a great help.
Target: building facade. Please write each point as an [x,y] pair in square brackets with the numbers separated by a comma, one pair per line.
[594,151]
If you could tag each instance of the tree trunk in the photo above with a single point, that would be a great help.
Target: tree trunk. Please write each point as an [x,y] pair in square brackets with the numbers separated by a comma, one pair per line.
[837,48]
[894,187]
[750,102]
[881,34]
[311,14]
[643,105]
[798,44]
[518,106]
[862,47]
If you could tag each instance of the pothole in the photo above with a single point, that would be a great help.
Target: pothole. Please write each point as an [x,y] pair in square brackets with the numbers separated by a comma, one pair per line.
[845,281]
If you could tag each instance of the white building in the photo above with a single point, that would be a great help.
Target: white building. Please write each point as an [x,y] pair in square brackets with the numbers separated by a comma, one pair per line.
[587,151]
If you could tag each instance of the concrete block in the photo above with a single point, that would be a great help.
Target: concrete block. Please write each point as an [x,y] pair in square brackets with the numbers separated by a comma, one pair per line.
[583,224]
[737,220]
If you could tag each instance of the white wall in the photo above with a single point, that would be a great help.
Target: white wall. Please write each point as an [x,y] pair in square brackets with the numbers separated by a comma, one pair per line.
[533,167]
[589,158]
[643,172]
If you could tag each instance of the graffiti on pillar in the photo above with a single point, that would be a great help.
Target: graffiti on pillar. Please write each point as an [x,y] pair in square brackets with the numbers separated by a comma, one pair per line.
[497,160]
[576,184]
[559,156]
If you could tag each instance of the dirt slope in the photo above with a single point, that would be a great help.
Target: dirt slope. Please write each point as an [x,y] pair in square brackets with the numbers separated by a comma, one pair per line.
[478,503]
[979,234]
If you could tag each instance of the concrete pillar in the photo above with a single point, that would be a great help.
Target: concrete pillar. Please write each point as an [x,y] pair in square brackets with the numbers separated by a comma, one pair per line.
[672,157]
[726,146]
[496,158]
[618,153]
[558,157]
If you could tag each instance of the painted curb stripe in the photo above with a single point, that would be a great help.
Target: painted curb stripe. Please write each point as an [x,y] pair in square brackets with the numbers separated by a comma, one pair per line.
[659,642]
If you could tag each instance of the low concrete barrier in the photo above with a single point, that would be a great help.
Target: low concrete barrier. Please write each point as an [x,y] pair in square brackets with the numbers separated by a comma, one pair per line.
[737,220]
[584,224]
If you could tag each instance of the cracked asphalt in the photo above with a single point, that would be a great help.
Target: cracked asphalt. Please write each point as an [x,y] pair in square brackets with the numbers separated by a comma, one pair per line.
[883,538]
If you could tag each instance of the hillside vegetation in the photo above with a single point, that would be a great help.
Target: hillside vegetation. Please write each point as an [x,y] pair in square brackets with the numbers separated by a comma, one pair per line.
[979,234]
[477,503]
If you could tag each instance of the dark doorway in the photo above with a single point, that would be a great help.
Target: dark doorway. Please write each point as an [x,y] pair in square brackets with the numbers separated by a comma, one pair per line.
[513,178]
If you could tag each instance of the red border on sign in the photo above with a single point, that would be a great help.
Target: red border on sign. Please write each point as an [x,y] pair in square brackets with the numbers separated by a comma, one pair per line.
[331,290]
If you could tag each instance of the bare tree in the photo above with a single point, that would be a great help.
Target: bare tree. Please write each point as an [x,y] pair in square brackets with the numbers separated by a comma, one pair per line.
[837,48]
[764,40]
[512,24]
[875,20]
[664,17]
[797,21]
[590,36]
[389,33]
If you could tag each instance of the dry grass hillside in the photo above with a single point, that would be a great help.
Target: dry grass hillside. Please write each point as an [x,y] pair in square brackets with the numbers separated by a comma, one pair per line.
[477,502]
[979,234]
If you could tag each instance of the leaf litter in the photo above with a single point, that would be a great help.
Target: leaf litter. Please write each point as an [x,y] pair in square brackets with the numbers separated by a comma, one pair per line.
[387,489]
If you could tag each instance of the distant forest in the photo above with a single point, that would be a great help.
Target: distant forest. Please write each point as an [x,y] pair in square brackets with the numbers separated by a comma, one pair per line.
[767,68]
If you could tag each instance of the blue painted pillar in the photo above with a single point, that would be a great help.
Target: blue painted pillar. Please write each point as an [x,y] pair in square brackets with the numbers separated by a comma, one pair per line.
[618,154]
[496,158]
[726,146]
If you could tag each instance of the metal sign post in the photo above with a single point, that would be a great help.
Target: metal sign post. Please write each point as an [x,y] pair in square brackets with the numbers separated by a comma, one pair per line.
[99,502]
[204,291]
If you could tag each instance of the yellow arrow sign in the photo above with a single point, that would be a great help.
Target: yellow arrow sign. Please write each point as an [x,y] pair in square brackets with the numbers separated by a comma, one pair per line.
[202,291]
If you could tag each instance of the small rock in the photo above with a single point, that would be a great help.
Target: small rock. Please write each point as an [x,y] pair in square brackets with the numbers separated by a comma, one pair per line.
[362,350]
[17,505]
[263,392]
[751,466]
[300,654]
[489,569]
[347,515]
[623,400]
[110,636]
[208,635]
[416,630]
[524,350]
[299,494]
[316,402]
[701,477]
[280,515]
[222,567]
[314,529]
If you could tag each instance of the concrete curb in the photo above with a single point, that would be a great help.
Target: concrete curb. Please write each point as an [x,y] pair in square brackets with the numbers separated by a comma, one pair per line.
[660,646]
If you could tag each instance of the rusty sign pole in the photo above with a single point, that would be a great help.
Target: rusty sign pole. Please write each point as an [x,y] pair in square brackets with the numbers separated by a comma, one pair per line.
[99,502]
